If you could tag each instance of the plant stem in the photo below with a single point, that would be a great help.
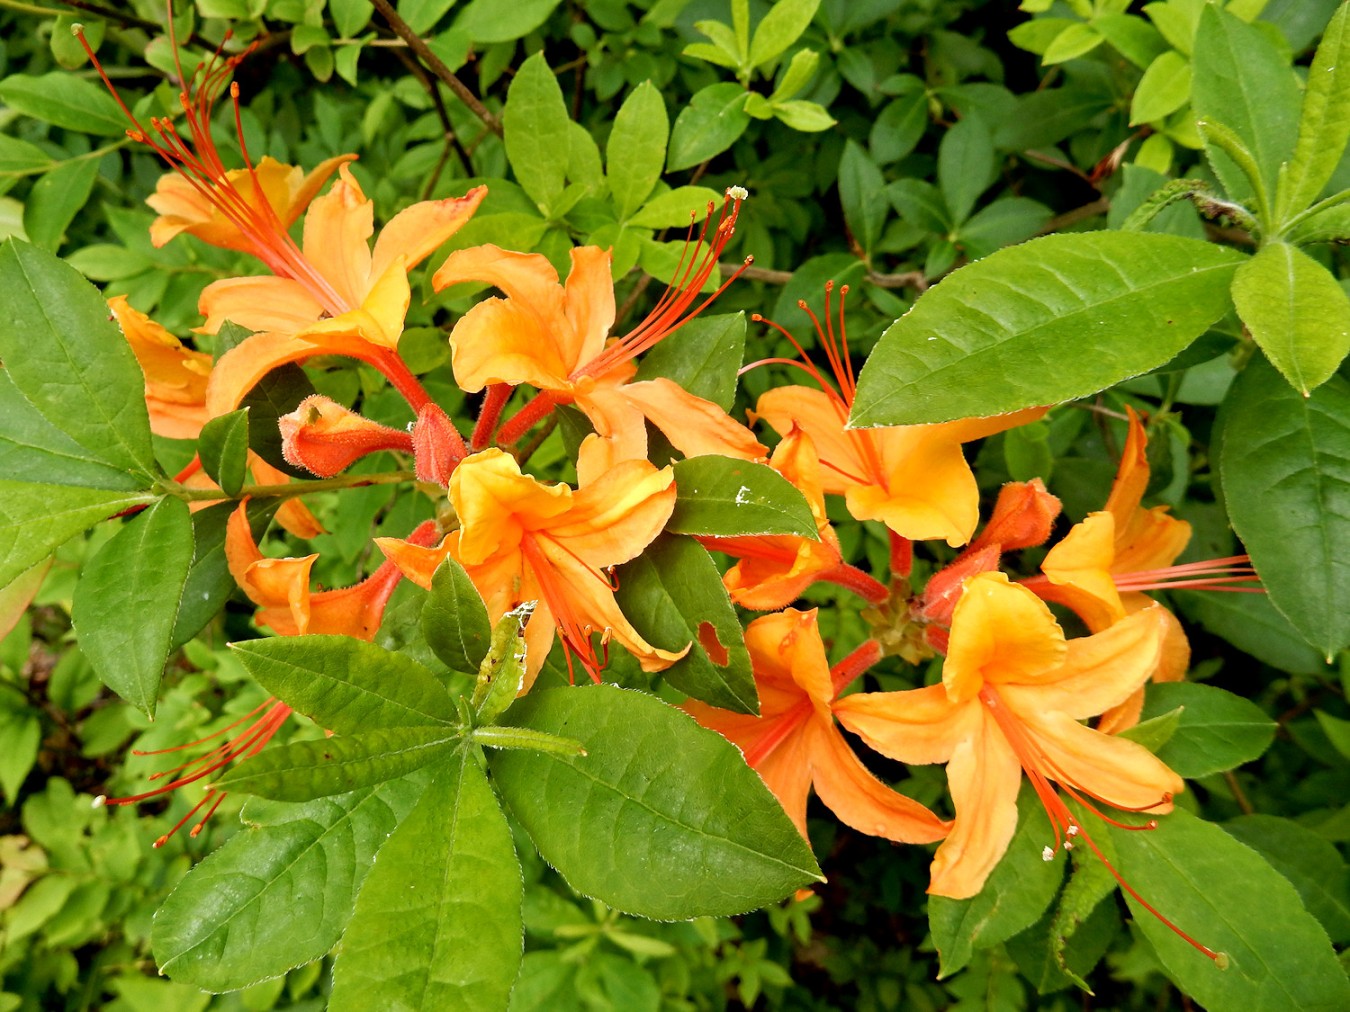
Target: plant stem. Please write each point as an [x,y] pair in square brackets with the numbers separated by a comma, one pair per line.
[293,488]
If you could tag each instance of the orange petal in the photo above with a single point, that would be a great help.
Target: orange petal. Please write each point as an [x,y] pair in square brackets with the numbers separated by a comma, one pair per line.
[1151,539]
[589,302]
[308,188]
[1099,671]
[914,726]
[620,432]
[1021,518]
[415,562]
[496,504]
[693,425]
[821,416]
[378,320]
[1001,632]
[526,278]
[615,517]
[506,341]
[859,799]
[1120,772]
[786,772]
[1127,491]
[1081,564]
[415,232]
[258,304]
[929,491]
[338,228]
[240,368]
[984,777]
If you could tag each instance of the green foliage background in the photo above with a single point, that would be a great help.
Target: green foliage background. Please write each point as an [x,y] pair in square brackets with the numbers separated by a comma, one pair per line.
[884,143]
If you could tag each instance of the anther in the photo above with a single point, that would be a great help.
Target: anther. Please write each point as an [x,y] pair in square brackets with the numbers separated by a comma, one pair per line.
[1047,854]
[99,801]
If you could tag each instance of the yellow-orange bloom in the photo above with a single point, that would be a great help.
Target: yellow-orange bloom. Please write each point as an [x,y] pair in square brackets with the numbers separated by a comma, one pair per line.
[555,337]
[521,540]
[1012,694]
[794,745]
[912,478]
[213,212]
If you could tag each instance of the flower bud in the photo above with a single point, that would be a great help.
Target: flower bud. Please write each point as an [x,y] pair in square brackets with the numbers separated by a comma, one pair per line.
[437,446]
[325,438]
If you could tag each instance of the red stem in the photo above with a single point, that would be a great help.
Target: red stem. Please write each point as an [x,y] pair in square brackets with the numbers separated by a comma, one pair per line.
[491,412]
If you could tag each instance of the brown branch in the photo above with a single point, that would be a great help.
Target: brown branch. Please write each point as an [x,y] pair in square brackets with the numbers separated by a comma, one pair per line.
[452,142]
[437,66]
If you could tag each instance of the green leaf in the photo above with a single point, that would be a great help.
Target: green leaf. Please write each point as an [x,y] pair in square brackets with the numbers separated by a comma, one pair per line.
[20,157]
[537,131]
[920,204]
[455,620]
[712,121]
[1310,862]
[489,21]
[966,165]
[1285,468]
[1164,88]
[704,357]
[1296,311]
[781,27]
[677,208]
[55,199]
[726,497]
[278,393]
[350,16]
[1009,331]
[637,148]
[1324,126]
[862,191]
[1215,731]
[501,675]
[128,597]
[1331,224]
[209,583]
[1015,895]
[674,593]
[803,116]
[1075,41]
[678,800]
[347,685]
[899,127]
[278,894]
[1226,897]
[305,770]
[36,519]
[65,100]
[1252,624]
[1133,37]
[32,449]
[1243,82]
[438,922]
[223,445]
[800,70]
[20,735]
[70,361]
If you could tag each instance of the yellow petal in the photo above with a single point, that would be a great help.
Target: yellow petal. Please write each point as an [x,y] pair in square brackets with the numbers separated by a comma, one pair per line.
[1120,772]
[1001,632]
[496,504]
[693,425]
[615,517]
[1081,564]
[263,303]
[378,319]
[984,777]
[859,799]
[821,416]
[415,232]
[929,491]
[338,228]
[914,726]
[1099,671]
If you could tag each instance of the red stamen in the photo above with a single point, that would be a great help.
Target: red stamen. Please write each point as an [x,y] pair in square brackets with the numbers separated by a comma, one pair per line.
[843,673]
[491,412]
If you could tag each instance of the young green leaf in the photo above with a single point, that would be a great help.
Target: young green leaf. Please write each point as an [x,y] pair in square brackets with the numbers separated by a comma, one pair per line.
[278,894]
[712,121]
[537,131]
[726,497]
[675,598]
[128,598]
[438,922]
[1324,126]
[862,191]
[637,148]
[223,445]
[55,199]
[656,809]
[1056,318]
[1285,468]
[64,100]
[455,620]
[502,672]
[1296,311]
[966,165]
[346,685]
[781,27]
[73,364]
[1227,898]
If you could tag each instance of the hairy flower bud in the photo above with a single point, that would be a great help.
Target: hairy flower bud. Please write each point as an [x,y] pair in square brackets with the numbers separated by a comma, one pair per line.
[322,436]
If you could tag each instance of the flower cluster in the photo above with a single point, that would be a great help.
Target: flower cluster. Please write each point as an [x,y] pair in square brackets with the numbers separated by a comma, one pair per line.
[1015,690]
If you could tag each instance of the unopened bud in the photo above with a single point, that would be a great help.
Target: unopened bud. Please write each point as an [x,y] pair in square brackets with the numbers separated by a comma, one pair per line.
[436,445]
[325,438]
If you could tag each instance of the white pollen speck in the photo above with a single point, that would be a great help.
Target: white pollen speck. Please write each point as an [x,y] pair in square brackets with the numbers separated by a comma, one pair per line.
[742,495]
[1047,854]
[738,193]
[99,801]
[1072,830]
[1068,845]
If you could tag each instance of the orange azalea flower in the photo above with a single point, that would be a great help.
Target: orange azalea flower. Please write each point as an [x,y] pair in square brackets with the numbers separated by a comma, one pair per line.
[1012,694]
[340,295]
[175,376]
[212,211]
[794,745]
[521,540]
[555,337]
[774,569]
[1102,567]
[913,478]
